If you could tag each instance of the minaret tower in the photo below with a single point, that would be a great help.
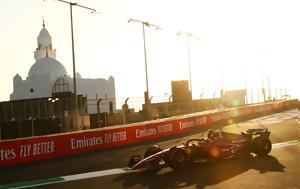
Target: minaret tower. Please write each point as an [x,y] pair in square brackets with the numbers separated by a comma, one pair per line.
[44,42]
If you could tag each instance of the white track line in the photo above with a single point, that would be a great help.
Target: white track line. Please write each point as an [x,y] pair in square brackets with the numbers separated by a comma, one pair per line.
[285,144]
[95,174]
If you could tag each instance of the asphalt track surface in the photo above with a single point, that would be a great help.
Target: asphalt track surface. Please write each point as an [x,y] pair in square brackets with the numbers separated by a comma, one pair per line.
[280,169]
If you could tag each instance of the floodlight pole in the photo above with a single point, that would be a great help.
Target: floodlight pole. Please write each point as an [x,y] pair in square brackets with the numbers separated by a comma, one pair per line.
[73,52]
[188,36]
[222,81]
[73,58]
[245,83]
[189,60]
[146,67]
[145,52]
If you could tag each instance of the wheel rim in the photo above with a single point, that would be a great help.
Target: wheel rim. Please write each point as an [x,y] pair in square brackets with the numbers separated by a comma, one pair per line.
[266,146]
[180,158]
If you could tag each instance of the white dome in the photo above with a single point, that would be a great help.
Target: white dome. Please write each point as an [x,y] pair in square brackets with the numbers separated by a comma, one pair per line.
[47,66]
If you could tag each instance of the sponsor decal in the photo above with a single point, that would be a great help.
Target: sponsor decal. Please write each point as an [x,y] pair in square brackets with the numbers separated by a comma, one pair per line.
[145,132]
[27,150]
[224,149]
[262,108]
[165,128]
[85,142]
[6,154]
[201,121]
[115,137]
[42,148]
[220,116]
[245,111]
[158,130]
[188,124]
[238,141]
[216,117]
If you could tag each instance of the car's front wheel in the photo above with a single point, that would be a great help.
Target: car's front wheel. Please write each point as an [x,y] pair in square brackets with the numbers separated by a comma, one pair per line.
[151,150]
[152,166]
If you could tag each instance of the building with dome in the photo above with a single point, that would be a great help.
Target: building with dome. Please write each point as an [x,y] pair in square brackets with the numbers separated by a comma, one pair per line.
[47,76]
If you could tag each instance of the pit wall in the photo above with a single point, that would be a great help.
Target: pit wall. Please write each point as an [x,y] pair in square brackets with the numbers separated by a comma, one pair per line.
[19,151]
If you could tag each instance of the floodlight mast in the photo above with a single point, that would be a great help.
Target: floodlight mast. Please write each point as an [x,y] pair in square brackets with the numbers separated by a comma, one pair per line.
[145,53]
[73,52]
[188,36]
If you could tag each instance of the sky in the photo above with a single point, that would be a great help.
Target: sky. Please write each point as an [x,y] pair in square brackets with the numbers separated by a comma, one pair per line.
[247,43]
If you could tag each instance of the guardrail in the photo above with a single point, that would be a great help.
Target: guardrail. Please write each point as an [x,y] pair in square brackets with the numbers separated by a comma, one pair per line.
[18,151]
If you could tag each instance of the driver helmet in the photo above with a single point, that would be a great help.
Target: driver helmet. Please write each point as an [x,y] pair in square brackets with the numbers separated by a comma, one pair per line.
[210,133]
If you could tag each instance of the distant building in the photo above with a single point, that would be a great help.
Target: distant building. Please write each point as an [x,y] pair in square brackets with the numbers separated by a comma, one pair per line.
[180,91]
[47,76]
[235,97]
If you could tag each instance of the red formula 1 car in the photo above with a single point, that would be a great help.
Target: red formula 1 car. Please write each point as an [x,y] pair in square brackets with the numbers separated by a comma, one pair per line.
[217,145]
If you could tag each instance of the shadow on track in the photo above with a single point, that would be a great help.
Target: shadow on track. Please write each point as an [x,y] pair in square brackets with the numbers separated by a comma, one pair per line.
[199,176]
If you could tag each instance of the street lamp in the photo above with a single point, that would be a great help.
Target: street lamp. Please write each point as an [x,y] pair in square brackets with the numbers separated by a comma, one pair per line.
[73,53]
[32,126]
[98,112]
[125,110]
[145,54]
[245,83]
[201,95]
[222,81]
[263,83]
[188,36]
[53,100]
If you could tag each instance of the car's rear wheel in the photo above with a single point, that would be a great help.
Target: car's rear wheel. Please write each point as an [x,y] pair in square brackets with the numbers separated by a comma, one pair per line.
[178,158]
[261,146]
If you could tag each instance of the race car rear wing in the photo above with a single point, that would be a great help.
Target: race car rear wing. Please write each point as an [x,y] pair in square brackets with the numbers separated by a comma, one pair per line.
[260,131]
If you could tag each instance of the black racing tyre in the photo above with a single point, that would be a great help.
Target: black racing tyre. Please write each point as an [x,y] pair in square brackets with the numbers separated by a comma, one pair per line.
[261,146]
[151,150]
[133,160]
[131,163]
[178,158]
[153,166]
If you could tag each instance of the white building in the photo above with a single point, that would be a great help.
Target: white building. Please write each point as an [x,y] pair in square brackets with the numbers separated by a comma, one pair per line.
[48,76]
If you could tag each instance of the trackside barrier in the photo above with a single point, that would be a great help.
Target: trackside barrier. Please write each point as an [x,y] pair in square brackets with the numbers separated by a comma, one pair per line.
[18,151]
